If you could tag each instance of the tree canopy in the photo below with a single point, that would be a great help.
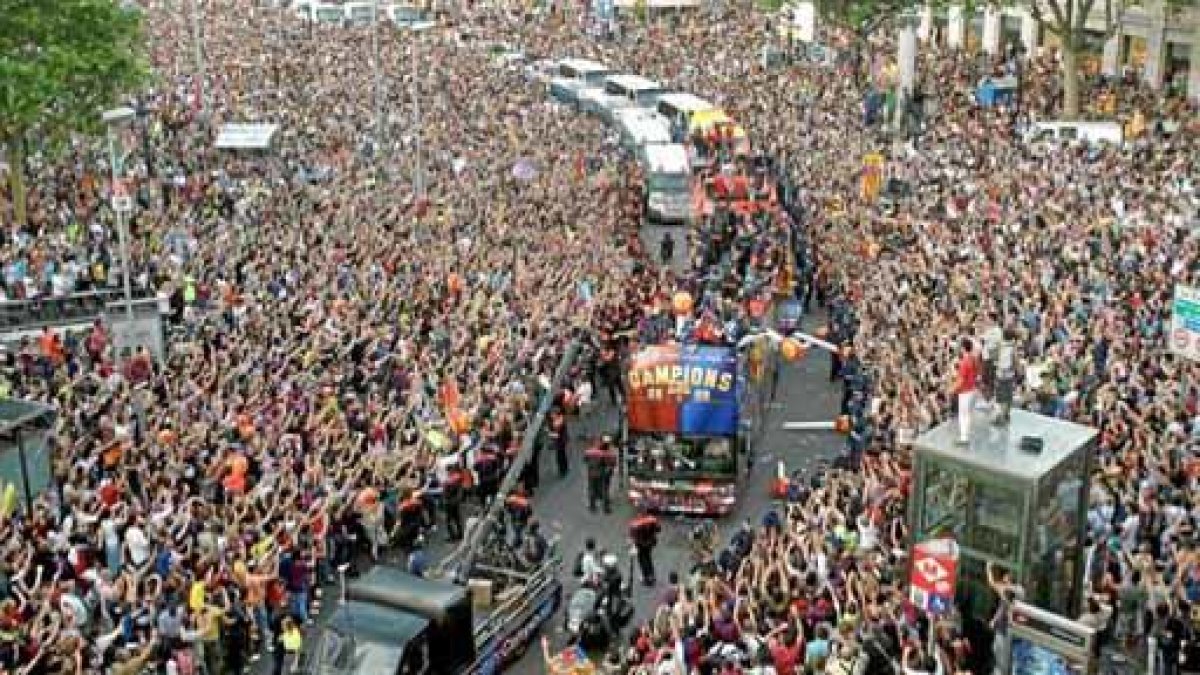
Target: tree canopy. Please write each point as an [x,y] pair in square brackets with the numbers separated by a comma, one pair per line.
[61,64]
[862,16]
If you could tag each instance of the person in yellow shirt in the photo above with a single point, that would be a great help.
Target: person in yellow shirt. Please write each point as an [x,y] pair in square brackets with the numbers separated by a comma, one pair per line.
[292,641]
[208,623]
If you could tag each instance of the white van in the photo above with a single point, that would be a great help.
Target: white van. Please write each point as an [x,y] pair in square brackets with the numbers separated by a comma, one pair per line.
[668,187]
[639,127]
[1094,133]
[638,90]
[679,108]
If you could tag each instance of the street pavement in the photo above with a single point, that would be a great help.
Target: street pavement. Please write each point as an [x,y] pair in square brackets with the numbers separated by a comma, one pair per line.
[804,394]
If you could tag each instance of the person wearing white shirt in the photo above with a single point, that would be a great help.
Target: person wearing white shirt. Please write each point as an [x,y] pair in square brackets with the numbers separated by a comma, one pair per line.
[868,534]
[137,545]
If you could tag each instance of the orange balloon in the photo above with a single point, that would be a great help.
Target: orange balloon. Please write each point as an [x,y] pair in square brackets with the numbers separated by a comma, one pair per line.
[842,424]
[682,303]
[792,349]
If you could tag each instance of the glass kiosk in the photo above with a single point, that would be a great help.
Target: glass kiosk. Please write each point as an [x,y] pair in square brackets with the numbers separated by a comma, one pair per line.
[1023,510]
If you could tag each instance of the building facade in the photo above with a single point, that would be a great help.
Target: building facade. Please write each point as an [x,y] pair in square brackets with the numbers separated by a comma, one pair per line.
[1160,44]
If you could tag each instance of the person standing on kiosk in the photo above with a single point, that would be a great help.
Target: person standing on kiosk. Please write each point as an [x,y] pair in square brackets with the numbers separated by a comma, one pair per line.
[966,382]
[643,530]
[993,337]
[1006,376]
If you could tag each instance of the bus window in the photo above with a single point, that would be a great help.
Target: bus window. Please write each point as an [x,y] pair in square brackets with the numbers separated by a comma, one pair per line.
[328,14]
[591,73]
[646,96]
[362,14]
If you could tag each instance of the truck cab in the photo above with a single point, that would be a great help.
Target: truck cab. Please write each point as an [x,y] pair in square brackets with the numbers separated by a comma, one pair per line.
[394,623]
[363,637]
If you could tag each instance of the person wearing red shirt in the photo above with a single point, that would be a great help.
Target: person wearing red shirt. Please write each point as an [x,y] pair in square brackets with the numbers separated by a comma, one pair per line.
[787,652]
[966,382]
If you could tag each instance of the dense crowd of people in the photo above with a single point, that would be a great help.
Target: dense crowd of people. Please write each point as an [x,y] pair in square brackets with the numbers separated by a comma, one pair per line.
[1070,250]
[341,324]
[336,336]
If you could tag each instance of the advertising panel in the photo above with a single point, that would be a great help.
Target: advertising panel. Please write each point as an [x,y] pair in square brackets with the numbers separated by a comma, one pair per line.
[1185,323]
[690,390]
[934,574]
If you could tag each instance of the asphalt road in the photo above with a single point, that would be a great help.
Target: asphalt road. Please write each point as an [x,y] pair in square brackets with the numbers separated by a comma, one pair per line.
[804,394]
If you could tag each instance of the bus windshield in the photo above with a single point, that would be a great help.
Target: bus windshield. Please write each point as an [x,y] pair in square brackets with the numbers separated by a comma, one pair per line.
[668,182]
[671,456]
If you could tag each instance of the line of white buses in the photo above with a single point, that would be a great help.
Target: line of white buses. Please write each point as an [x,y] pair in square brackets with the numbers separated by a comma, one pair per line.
[657,125]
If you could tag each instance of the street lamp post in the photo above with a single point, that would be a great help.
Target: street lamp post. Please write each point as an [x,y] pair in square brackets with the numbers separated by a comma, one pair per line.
[122,204]
[198,57]
[377,68]
[907,66]
[144,111]
[419,169]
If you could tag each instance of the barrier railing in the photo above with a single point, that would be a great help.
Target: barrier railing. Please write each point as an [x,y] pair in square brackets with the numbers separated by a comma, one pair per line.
[18,316]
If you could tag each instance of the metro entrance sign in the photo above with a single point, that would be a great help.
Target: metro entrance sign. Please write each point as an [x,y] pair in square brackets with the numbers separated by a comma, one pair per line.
[934,574]
[1185,323]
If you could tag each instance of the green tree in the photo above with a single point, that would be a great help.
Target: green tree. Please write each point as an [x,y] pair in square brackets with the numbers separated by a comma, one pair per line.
[1069,19]
[862,17]
[62,63]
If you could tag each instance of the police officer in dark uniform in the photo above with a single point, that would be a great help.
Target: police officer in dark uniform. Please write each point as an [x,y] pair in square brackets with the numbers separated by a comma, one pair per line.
[643,530]
[851,374]
[487,469]
[666,249]
[412,517]
[519,512]
[859,437]
[609,369]
[559,439]
[600,459]
[452,495]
